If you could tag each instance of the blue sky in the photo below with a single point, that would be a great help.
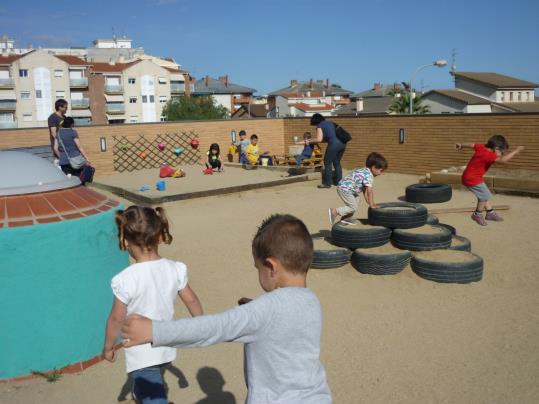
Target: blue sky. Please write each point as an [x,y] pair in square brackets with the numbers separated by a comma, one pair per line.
[265,44]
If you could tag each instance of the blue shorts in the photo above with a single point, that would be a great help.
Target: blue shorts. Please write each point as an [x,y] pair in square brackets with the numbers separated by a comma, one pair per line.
[481,191]
[149,386]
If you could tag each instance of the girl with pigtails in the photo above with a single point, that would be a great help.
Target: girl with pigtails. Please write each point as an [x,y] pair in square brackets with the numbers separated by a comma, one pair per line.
[149,288]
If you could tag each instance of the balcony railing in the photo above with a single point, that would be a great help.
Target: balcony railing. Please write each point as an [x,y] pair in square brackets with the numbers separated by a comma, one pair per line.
[115,108]
[81,103]
[80,82]
[114,89]
[7,83]
[8,124]
[177,87]
[8,105]
[82,121]
[241,99]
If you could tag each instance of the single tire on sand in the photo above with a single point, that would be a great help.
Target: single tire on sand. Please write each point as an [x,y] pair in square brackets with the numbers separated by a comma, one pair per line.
[358,235]
[429,193]
[448,266]
[398,215]
[427,237]
[460,243]
[326,255]
[384,260]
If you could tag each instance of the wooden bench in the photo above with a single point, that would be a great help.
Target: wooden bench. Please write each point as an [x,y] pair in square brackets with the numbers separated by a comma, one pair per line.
[290,160]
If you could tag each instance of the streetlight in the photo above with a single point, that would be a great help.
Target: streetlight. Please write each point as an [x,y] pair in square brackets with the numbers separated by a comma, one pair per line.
[437,63]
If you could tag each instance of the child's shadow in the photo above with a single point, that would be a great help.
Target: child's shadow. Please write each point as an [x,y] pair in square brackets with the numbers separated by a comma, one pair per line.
[127,388]
[211,382]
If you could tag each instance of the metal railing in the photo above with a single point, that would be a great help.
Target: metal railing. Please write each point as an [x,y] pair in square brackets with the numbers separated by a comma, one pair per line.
[116,108]
[80,82]
[80,103]
[8,124]
[7,83]
[82,121]
[8,105]
[114,89]
[177,87]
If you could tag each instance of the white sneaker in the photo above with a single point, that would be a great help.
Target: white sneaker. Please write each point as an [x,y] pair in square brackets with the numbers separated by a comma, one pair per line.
[330,217]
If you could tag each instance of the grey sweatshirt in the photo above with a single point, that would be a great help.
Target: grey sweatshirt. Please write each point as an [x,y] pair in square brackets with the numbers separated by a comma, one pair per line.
[281,332]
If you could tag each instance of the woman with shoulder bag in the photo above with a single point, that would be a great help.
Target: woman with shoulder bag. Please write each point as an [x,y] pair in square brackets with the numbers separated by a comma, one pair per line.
[67,145]
[325,133]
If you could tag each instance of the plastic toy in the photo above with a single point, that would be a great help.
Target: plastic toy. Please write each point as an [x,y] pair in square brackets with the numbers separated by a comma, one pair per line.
[166,171]
[144,188]
[161,185]
[178,151]
[194,143]
[124,147]
[208,171]
[161,146]
[142,155]
[178,173]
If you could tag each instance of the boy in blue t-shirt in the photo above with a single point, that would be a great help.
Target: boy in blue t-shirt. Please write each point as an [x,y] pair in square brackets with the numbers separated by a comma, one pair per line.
[359,180]
[307,150]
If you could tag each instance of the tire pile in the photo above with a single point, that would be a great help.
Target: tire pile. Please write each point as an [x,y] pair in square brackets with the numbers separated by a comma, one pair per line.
[398,233]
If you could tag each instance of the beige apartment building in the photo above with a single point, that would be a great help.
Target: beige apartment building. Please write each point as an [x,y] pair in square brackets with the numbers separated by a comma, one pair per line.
[115,91]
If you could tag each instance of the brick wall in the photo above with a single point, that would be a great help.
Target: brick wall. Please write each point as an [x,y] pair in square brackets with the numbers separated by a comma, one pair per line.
[269,131]
[428,147]
[430,139]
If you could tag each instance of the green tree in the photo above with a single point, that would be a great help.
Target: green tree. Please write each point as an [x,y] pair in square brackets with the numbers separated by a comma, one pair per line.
[401,103]
[193,108]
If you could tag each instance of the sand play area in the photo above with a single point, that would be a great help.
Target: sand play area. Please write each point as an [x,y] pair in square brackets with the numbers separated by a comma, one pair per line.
[386,339]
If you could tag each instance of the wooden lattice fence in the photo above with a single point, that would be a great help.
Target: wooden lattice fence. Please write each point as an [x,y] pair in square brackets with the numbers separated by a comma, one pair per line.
[143,152]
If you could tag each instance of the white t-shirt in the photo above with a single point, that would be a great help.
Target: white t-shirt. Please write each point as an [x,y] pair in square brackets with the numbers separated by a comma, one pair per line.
[150,289]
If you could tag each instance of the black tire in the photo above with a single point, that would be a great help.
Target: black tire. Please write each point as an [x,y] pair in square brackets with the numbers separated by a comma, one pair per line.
[426,267]
[407,240]
[448,227]
[460,243]
[431,219]
[359,235]
[330,257]
[429,193]
[411,215]
[368,262]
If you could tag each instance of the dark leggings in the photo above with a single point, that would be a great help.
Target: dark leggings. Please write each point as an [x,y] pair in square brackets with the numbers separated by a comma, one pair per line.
[333,156]
[67,169]
[214,164]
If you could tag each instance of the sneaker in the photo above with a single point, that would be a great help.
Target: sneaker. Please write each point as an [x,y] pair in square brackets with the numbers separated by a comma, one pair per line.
[324,186]
[479,219]
[493,216]
[332,217]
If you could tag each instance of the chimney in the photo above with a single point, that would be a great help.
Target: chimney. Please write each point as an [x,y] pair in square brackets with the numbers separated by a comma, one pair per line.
[359,105]
[206,80]
[224,80]
[293,83]
[327,83]
[112,62]
[377,86]
[311,83]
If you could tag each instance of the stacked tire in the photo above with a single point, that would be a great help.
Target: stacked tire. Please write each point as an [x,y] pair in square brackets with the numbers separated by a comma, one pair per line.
[326,255]
[385,260]
[448,266]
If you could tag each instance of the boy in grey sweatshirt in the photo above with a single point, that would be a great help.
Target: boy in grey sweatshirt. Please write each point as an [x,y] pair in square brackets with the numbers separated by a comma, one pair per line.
[280,329]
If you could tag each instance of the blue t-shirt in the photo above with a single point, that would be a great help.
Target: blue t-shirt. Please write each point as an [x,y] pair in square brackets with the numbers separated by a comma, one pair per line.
[68,139]
[307,151]
[328,129]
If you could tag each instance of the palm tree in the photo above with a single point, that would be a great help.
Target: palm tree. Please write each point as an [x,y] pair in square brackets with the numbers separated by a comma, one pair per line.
[401,103]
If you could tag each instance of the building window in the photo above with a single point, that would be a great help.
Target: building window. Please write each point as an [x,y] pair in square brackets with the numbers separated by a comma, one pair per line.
[502,98]
[58,73]
[144,99]
[162,80]
[131,80]
[23,73]
[510,96]
[519,96]
[132,100]
[60,94]
[162,99]
[528,96]
[133,119]
[25,95]
[152,99]
[163,119]
[27,117]
[38,94]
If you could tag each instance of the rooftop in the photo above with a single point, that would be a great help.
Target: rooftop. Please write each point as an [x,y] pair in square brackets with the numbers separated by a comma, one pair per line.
[316,87]
[210,85]
[460,96]
[496,80]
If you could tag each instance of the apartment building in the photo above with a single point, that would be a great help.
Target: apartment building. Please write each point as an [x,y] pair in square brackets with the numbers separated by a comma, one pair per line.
[98,92]
[307,98]
[225,93]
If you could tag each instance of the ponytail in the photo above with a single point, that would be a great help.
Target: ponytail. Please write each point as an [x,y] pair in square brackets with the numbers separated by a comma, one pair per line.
[166,237]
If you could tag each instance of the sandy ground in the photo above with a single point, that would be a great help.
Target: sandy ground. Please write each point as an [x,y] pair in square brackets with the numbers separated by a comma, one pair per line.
[391,339]
[194,181]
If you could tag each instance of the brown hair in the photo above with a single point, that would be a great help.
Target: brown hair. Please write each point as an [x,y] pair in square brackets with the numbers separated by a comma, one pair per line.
[142,226]
[286,238]
[376,160]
